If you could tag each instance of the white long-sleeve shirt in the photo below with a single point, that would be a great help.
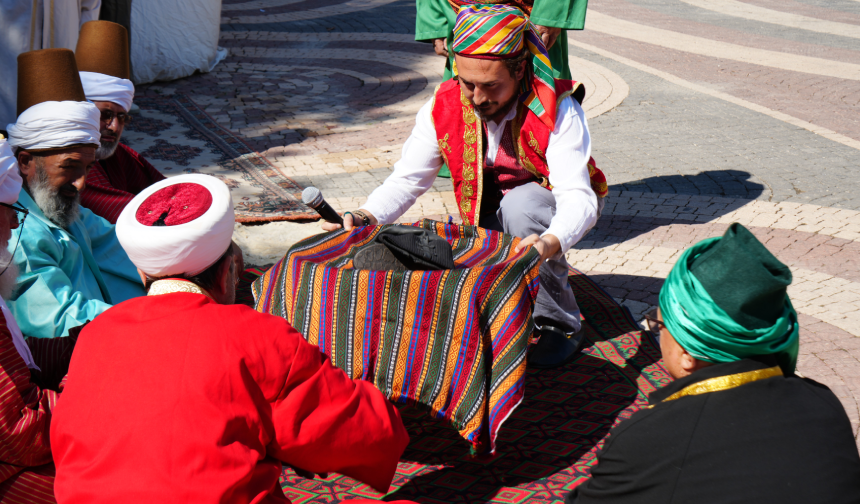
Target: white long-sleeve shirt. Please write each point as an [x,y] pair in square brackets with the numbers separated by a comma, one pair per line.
[567,155]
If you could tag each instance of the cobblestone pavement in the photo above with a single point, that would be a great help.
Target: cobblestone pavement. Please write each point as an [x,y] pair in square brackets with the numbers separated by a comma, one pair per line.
[702,113]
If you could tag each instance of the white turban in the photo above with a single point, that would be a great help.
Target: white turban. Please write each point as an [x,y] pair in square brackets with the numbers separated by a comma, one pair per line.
[52,125]
[10,179]
[179,226]
[101,87]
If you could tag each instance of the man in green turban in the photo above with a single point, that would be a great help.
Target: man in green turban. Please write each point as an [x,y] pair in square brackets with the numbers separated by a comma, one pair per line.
[737,424]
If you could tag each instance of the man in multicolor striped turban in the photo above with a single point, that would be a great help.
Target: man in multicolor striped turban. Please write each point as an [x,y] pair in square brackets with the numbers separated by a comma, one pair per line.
[435,19]
[517,143]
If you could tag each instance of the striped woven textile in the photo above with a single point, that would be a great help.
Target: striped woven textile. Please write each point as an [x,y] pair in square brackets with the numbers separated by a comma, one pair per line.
[26,468]
[453,340]
[32,486]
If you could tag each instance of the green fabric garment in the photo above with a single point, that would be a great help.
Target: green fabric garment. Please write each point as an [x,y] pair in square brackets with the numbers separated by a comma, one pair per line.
[758,299]
[708,333]
[569,14]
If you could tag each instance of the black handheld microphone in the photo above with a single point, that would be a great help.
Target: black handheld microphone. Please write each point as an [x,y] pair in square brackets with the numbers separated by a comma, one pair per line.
[313,198]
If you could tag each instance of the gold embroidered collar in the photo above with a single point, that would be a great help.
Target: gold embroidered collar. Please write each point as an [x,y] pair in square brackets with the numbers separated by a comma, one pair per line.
[170,285]
[727,382]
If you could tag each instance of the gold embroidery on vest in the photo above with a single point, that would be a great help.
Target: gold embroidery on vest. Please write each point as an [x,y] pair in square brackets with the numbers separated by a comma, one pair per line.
[534,144]
[516,132]
[468,154]
[470,136]
[443,144]
[468,116]
[528,165]
[471,155]
[480,166]
[465,101]
[466,206]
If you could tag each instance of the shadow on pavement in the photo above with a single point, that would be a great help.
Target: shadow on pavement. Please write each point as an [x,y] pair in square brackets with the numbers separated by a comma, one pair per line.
[625,218]
[730,183]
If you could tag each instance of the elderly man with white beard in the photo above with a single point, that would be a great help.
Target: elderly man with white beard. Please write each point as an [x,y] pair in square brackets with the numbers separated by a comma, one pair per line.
[72,268]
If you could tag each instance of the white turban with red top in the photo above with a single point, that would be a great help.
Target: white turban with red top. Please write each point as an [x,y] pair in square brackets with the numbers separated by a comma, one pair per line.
[179,226]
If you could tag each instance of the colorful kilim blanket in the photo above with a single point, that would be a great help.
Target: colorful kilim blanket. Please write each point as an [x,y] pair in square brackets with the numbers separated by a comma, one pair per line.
[453,340]
[547,446]
[244,295]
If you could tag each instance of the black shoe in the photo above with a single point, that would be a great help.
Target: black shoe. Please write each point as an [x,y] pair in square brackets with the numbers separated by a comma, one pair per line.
[554,348]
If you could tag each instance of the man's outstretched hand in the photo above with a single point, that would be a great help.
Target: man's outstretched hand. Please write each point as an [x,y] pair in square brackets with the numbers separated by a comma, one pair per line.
[547,246]
[349,222]
[548,34]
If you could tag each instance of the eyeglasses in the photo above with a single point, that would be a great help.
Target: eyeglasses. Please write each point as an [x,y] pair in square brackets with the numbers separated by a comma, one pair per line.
[25,212]
[121,117]
[654,325]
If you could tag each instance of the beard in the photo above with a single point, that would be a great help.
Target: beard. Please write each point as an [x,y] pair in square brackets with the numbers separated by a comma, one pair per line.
[59,209]
[9,278]
[505,107]
[106,149]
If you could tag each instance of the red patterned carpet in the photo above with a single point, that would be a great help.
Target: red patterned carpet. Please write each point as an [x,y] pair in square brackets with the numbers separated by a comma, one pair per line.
[549,443]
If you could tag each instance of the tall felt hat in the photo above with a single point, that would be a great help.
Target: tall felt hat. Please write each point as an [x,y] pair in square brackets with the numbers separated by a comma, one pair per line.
[744,278]
[48,75]
[103,48]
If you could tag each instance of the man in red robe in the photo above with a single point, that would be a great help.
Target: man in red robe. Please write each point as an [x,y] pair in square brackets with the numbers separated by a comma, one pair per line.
[182,396]
[26,469]
[120,173]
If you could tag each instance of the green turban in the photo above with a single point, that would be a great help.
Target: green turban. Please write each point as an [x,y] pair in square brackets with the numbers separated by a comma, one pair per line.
[725,300]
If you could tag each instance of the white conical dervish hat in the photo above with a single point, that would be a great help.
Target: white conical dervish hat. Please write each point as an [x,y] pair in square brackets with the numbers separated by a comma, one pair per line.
[179,226]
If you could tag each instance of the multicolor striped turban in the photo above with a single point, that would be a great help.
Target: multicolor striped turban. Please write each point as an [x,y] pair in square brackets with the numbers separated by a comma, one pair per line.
[501,32]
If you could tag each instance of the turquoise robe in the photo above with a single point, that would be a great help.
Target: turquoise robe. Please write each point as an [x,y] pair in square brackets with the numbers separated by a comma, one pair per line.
[67,277]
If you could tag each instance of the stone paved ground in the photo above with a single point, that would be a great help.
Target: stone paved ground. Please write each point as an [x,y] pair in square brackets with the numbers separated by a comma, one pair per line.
[702,113]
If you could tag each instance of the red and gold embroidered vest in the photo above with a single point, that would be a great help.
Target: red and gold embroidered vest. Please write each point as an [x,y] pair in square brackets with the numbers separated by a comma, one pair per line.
[459,133]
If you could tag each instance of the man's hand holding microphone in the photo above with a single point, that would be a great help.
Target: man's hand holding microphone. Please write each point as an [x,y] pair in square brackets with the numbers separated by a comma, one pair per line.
[314,199]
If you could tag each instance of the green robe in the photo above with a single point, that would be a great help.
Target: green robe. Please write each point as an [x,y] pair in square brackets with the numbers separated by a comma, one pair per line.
[67,276]
[435,19]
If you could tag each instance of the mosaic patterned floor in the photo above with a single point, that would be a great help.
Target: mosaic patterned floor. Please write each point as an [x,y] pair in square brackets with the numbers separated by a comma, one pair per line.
[178,137]
[546,447]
